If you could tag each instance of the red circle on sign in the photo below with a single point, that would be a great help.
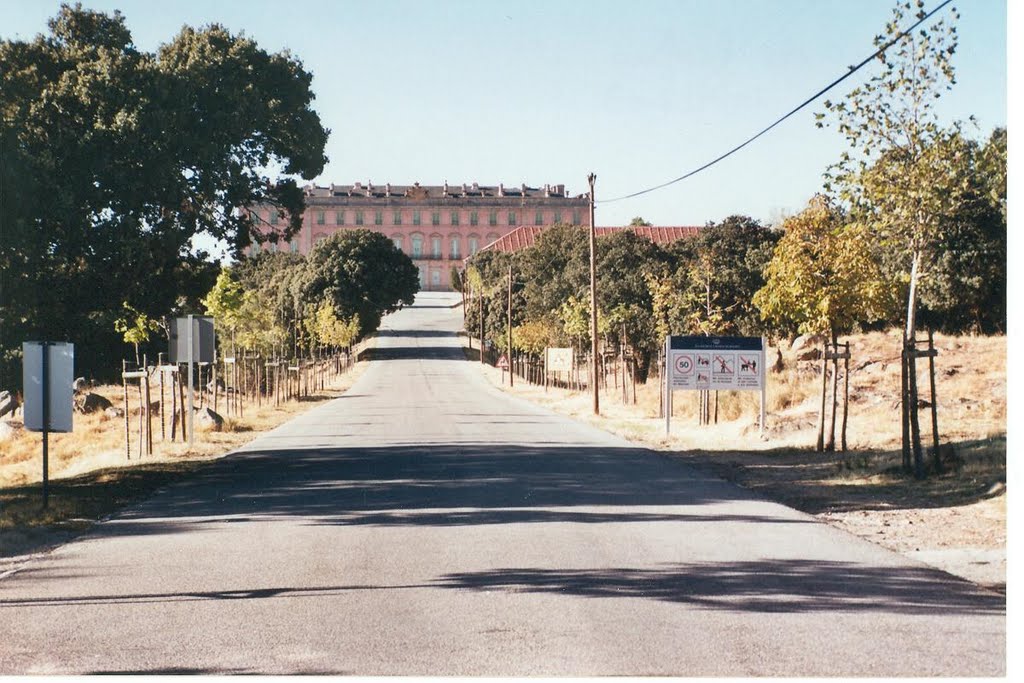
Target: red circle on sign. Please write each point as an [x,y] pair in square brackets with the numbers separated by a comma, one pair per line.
[684,364]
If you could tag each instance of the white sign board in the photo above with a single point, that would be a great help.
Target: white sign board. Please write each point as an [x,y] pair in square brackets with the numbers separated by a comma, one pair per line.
[559,359]
[716,363]
[60,372]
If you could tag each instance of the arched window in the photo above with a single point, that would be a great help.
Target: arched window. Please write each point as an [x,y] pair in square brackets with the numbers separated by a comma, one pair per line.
[435,246]
[417,245]
[455,246]
[397,239]
[474,244]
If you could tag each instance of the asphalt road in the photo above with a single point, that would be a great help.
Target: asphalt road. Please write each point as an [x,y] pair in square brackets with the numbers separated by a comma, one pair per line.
[427,524]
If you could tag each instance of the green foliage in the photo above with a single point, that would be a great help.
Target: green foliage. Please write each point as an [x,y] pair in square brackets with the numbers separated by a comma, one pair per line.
[823,277]
[135,327]
[362,274]
[905,174]
[533,336]
[116,158]
[224,301]
[708,284]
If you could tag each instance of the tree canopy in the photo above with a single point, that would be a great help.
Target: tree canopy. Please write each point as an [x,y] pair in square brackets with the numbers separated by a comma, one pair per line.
[115,159]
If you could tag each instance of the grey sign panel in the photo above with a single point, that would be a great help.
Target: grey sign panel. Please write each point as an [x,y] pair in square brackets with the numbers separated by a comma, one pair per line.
[60,372]
[202,340]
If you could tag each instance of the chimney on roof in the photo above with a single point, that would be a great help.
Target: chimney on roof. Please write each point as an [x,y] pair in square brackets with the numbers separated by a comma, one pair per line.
[387,190]
[501,189]
[369,188]
[475,187]
[524,189]
[547,190]
[463,189]
[445,192]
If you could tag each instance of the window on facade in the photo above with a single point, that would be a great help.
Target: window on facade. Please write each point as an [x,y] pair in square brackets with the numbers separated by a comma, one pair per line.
[435,246]
[294,246]
[557,217]
[455,247]
[538,218]
[339,218]
[417,246]
[272,217]
[273,247]
[511,217]
[320,218]
[492,218]
[435,218]
[255,251]
[397,239]
[455,217]
[359,217]
[415,217]
[576,218]
[378,218]
[398,218]
[474,244]
[435,277]
[474,217]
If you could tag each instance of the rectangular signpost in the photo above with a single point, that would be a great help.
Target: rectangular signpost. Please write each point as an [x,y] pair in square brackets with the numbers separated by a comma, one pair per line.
[48,370]
[192,341]
[711,364]
[557,359]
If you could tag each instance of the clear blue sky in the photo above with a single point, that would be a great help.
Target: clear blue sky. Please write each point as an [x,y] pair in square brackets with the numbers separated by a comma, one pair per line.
[541,92]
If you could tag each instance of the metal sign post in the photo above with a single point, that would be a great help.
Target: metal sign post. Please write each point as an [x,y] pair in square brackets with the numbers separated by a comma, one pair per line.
[192,341]
[714,363]
[191,411]
[48,371]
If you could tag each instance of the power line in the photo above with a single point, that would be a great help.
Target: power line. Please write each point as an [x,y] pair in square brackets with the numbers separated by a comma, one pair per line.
[806,102]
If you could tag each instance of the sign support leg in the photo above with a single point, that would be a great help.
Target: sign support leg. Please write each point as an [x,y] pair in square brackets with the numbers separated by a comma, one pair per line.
[46,423]
[191,413]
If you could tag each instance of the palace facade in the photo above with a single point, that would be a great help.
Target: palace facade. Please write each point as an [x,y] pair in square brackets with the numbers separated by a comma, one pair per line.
[436,225]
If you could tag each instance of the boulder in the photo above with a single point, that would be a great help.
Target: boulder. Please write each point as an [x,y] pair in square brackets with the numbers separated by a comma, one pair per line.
[208,421]
[80,385]
[806,340]
[91,403]
[113,412]
[8,403]
[7,431]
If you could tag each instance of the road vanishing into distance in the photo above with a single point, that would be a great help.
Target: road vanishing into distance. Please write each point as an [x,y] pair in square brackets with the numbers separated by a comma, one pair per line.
[427,524]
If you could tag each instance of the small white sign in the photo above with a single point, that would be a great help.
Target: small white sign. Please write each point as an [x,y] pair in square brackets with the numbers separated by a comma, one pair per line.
[559,359]
[59,390]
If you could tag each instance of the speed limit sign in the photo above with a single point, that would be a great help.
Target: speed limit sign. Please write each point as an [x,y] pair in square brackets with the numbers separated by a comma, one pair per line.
[683,364]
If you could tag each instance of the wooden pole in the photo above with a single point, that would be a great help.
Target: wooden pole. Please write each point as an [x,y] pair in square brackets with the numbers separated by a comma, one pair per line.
[593,297]
[846,392]
[904,407]
[936,458]
[149,413]
[127,428]
[163,408]
[820,443]
[831,445]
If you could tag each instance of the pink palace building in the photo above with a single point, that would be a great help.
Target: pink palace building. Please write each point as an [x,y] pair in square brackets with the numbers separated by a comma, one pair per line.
[436,225]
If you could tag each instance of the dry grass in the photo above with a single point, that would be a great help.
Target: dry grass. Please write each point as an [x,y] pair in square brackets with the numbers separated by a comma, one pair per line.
[90,475]
[971,390]
[865,490]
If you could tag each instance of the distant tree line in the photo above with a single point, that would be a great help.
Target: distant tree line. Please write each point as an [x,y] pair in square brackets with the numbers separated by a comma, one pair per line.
[824,270]
[287,305]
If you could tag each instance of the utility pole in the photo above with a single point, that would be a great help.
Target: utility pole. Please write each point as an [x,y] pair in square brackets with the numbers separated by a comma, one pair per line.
[511,364]
[593,297]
